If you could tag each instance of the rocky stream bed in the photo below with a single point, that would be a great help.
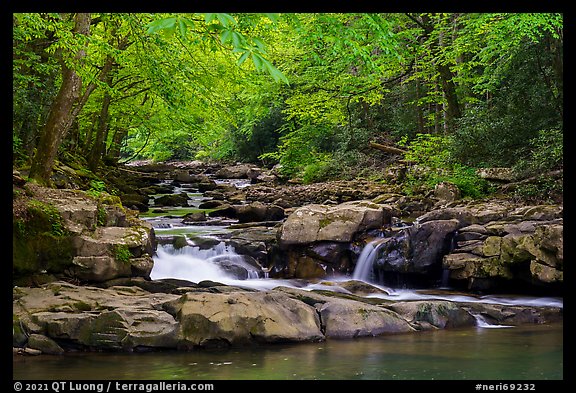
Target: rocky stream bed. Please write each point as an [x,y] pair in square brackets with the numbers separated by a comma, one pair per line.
[435,262]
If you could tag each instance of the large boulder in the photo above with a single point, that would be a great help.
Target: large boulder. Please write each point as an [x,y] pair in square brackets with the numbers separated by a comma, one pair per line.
[258,211]
[349,316]
[240,171]
[172,200]
[342,318]
[111,252]
[340,223]
[118,318]
[415,250]
[241,318]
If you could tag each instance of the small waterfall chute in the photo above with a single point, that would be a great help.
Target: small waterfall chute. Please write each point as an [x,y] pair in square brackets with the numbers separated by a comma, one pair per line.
[365,265]
[481,322]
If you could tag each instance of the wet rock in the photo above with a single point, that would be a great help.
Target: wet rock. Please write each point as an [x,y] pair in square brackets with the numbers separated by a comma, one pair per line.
[44,344]
[213,204]
[349,316]
[194,217]
[429,243]
[172,200]
[361,288]
[135,201]
[437,313]
[257,242]
[499,314]
[258,211]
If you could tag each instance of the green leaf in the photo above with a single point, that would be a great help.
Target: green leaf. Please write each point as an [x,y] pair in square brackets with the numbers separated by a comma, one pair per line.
[237,39]
[162,24]
[226,20]
[209,17]
[226,36]
[182,29]
[169,31]
[272,17]
[243,58]
[258,61]
[277,74]
[260,44]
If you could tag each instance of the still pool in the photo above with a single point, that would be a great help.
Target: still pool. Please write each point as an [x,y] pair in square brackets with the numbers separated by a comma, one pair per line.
[528,352]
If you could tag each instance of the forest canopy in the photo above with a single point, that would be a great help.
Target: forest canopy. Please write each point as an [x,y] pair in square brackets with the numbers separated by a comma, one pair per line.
[309,93]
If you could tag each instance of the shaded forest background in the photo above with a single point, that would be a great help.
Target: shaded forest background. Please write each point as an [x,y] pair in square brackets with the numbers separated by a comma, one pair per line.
[311,94]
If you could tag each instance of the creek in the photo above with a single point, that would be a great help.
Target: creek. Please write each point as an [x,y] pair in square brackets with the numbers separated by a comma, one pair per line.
[221,263]
[483,352]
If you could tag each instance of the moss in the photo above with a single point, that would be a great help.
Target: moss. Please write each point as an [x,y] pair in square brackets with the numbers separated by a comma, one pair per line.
[443,310]
[423,313]
[45,217]
[82,306]
[101,218]
[365,314]
[324,222]
[56,289]
[122,253]
[19,337]
[39,240]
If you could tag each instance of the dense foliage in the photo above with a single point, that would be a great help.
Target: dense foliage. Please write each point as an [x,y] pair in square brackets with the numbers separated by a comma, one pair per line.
[309,92]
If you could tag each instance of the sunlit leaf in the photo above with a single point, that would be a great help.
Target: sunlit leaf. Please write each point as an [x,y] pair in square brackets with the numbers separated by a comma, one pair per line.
[161,24]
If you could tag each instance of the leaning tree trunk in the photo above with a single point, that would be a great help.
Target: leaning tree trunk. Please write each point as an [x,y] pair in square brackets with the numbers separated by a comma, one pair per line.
[60,116]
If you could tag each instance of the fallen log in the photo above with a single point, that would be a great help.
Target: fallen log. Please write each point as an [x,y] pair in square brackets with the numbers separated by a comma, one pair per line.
[387,149]
[512,186]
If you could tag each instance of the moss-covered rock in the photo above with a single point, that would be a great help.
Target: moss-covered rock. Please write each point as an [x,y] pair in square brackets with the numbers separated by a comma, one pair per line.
[70,232]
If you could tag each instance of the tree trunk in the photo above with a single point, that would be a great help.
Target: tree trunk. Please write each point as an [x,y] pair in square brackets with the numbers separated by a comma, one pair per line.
[449,89]
[100,140]
[446,77]
[60,116]
[114,151]
[419,111]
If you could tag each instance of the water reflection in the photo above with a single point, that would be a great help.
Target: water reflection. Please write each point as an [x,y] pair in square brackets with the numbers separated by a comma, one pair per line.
[524,352]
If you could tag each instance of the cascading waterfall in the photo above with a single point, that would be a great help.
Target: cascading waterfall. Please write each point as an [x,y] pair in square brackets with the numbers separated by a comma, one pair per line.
[364,267]
[195,264]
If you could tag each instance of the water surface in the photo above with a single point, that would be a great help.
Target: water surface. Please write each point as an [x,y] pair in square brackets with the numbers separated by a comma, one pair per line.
[528,352]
